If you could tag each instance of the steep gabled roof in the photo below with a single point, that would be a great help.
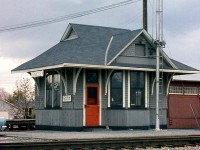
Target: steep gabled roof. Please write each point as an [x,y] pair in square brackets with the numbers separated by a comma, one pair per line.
[120,41]
[86,49]
[88,46]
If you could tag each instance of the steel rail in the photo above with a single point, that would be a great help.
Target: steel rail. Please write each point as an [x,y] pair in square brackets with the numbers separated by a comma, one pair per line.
[115,143]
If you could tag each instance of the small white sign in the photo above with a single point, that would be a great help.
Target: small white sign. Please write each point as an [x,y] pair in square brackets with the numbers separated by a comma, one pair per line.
[37,73]
[67,98]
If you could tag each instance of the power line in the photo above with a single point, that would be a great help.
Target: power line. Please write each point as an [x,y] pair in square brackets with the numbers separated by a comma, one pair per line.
[65,17]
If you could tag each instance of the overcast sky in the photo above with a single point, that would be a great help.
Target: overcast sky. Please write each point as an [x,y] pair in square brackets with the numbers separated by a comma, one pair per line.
[181,29]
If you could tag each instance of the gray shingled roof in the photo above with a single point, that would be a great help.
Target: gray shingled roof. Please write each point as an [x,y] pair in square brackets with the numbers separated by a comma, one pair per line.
[119,41]
[182,66]
[88,48]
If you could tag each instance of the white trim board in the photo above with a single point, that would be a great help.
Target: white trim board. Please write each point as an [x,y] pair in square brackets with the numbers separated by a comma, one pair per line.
[124,88]
[84,118]
[100,98]
[105,67]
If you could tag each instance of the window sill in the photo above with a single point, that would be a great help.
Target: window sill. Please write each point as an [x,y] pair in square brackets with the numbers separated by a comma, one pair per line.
[138,108]
[132,108]
[53,108]
[115,107]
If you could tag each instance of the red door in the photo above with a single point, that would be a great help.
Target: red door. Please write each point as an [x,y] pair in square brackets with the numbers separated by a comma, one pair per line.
[92,105]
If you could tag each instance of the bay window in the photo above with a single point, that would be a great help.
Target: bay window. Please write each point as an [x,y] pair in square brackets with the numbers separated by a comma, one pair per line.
[53,90]
[116,89]
[137,89]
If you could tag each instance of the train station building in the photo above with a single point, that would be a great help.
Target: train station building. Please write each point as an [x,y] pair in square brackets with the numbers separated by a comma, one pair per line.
[100,76]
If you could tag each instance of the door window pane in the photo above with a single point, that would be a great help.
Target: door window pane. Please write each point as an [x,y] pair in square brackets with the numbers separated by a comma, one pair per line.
[92,96]
[116,89]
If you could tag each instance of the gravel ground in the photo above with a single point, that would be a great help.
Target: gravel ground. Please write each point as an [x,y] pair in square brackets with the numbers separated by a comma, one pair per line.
[8,139]
[60,135]
[170,148]
[44,136]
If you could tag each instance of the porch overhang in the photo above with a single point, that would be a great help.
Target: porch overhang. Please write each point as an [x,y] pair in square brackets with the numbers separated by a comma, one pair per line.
[68,65]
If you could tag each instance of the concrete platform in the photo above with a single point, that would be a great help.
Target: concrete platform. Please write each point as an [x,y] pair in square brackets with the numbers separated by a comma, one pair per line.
[40,135]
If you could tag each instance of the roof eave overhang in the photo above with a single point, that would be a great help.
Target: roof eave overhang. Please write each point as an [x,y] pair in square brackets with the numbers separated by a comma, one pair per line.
[66,65]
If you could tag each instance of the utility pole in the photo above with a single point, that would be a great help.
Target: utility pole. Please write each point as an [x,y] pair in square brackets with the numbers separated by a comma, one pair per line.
[158,48]
[145,17]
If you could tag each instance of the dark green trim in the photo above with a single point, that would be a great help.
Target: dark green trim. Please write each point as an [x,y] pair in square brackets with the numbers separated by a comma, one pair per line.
[115,108]
[62,109]
[57,128]
[62,128]
[161,126]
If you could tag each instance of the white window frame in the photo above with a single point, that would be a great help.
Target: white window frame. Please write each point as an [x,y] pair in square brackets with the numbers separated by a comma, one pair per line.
[190,91]
[61,96]
[146,101]
[175,89]
[123,90]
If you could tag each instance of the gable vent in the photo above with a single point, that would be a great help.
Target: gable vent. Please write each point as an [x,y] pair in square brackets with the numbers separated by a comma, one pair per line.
[69,34]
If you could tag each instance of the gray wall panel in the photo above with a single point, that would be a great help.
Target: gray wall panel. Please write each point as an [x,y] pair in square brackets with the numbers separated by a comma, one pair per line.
[117,117]
[40,97]
[69,74]
[162,116]
[138,118]
[67,118]
[128,118]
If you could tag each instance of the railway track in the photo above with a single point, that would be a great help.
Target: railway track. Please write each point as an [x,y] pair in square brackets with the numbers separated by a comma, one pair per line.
[109,143]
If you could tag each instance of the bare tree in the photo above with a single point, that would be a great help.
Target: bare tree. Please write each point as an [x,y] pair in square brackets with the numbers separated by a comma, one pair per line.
[23,96]
[3,94]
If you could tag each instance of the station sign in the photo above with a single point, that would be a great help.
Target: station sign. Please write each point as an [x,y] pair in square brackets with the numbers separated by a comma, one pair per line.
[67,98]
[37,73]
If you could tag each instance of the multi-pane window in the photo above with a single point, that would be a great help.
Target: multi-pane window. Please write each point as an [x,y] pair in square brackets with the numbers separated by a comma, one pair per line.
[57,91]
[49,93]
[183,90]
[190,90]
[53,90]
[137,89]
[116,89]
[175,90]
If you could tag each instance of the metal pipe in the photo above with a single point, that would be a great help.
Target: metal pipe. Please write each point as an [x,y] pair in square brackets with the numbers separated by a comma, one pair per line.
[157,123]
[145,17]
[161,20]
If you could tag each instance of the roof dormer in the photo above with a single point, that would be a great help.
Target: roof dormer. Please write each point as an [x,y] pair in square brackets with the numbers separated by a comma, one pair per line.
[69,34]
